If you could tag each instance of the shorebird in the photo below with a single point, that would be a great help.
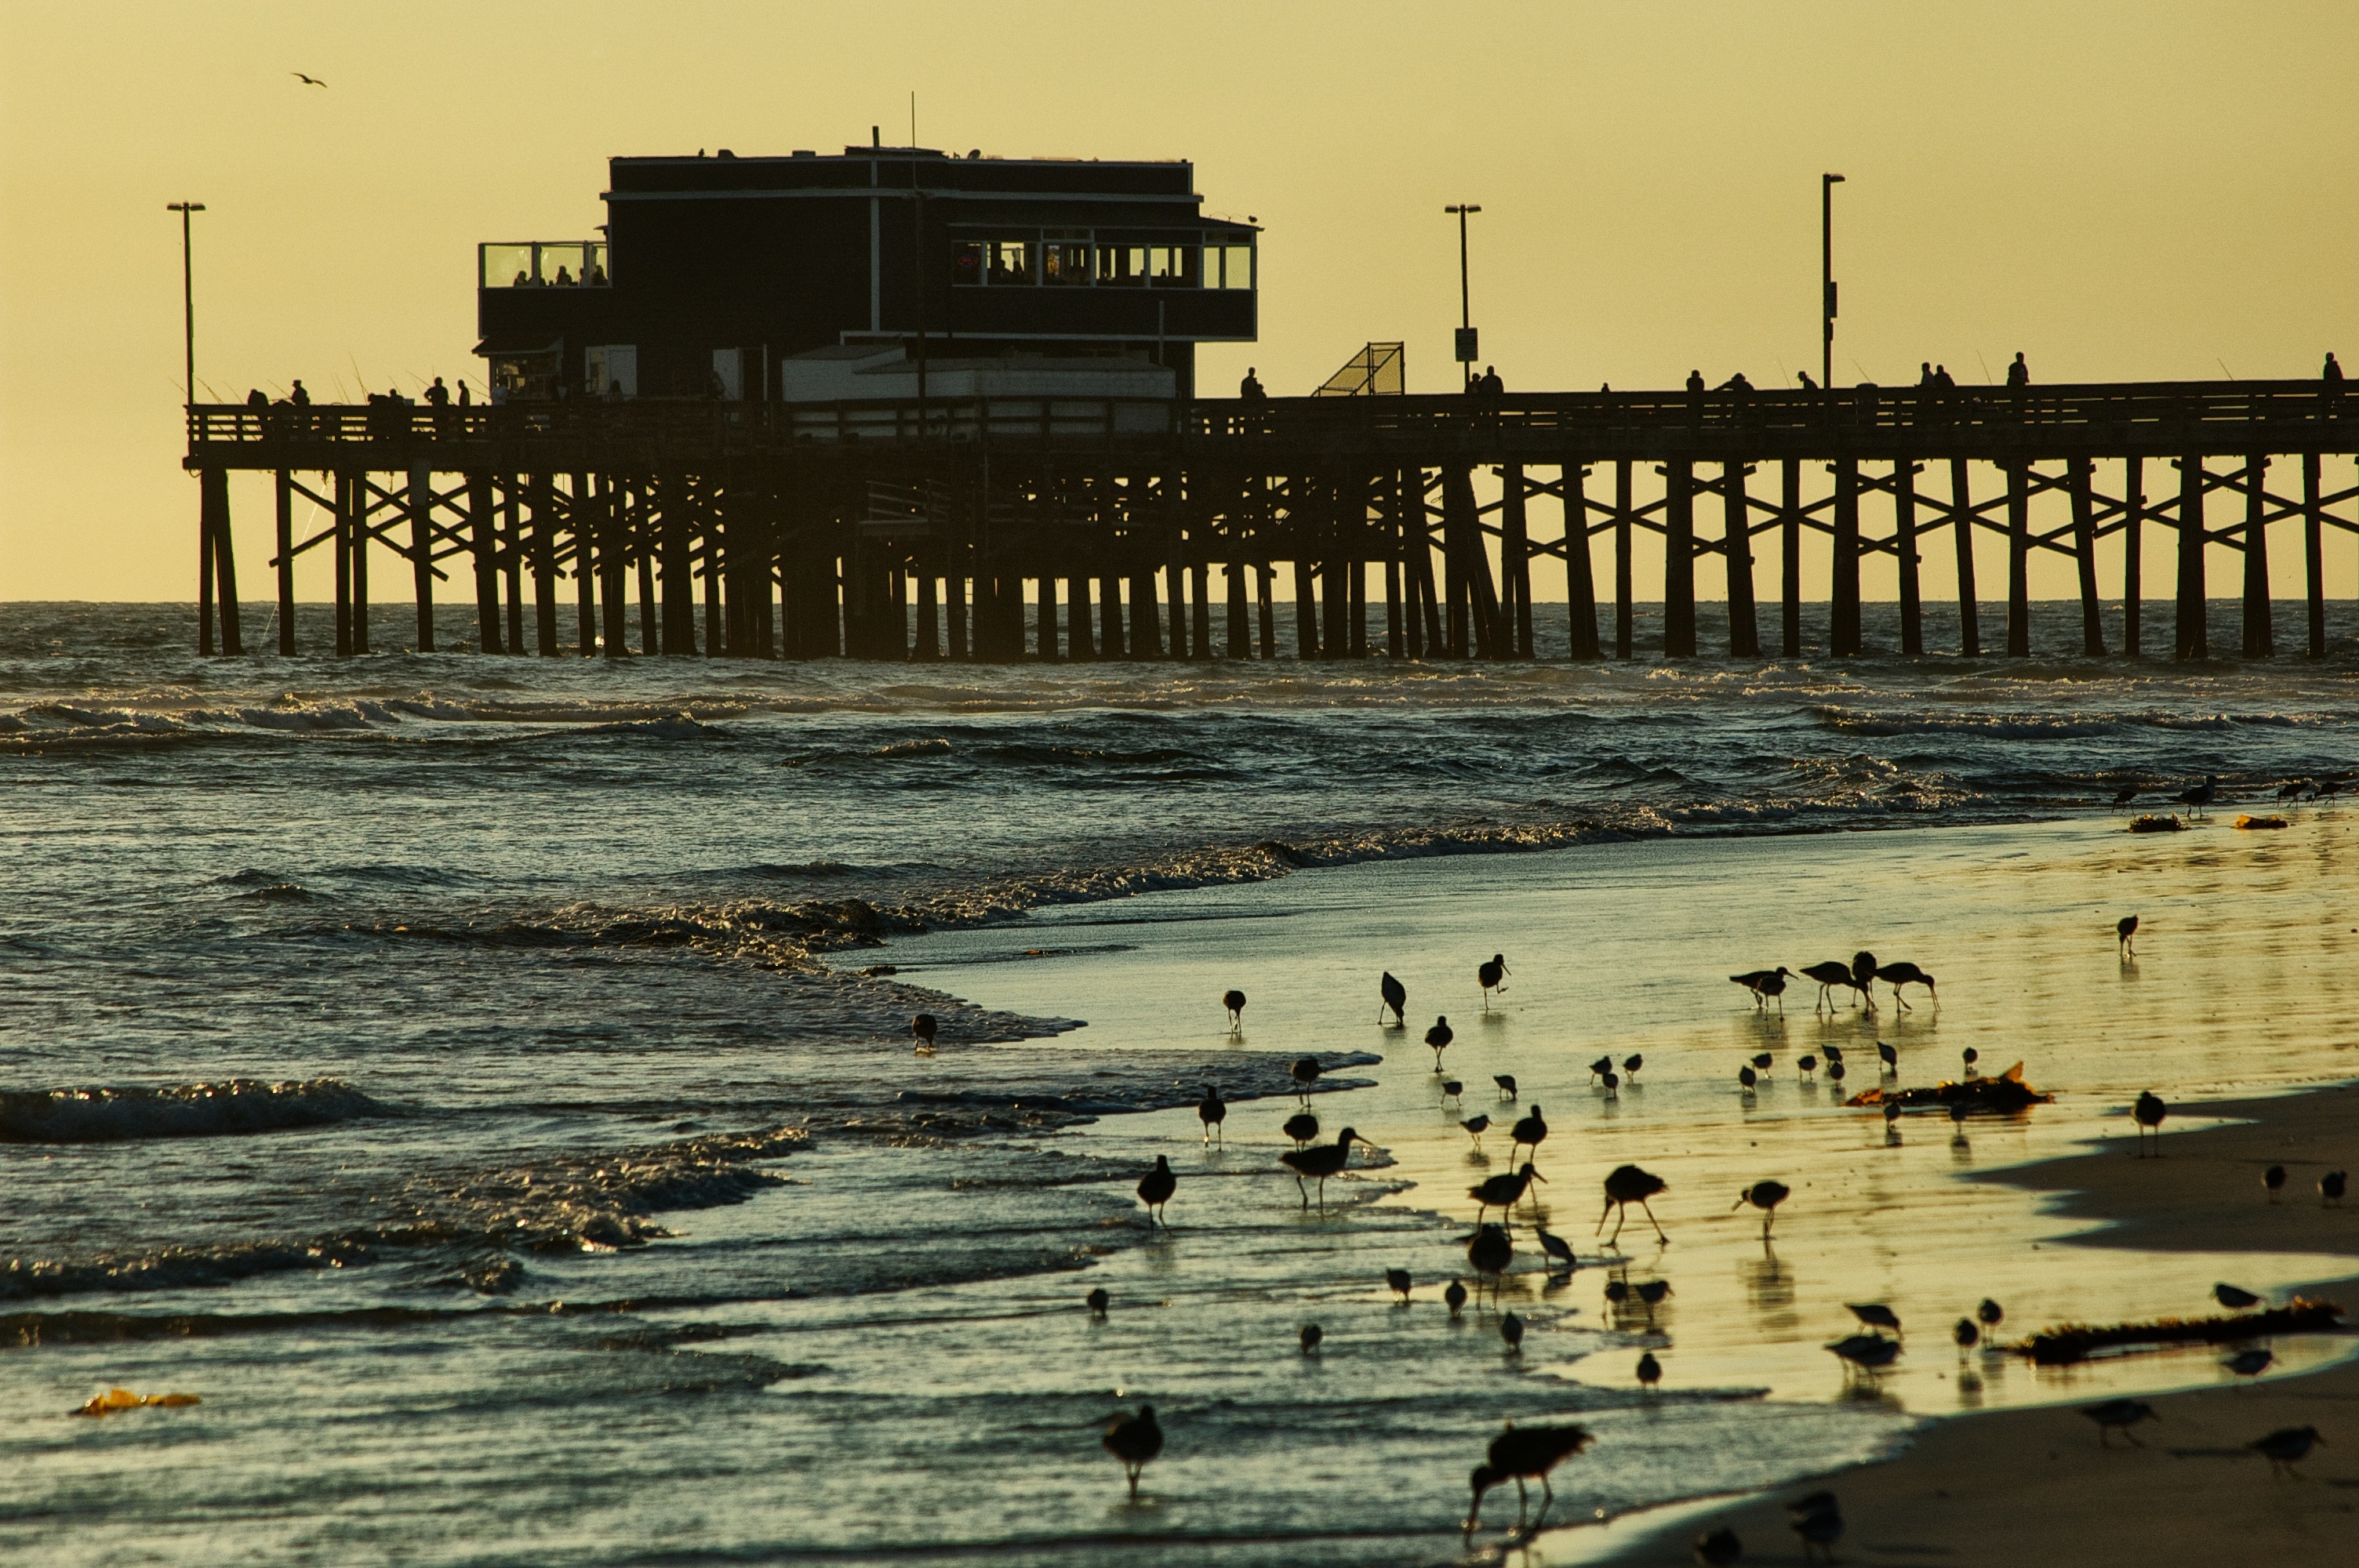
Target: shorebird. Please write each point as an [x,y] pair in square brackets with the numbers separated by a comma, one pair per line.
[1392,994]
[2273,1181]
[2250,1364]
[1875,1314]
[2148,1112]
[1863,976]
[2119,1415]
[1492,976]
[1650,1371]
[1835,1068]
[1601,1066]
[1906,974]
[1235,1002]
[2232,1298]
[1746,1077]
[1762,1061]
[2286,1447]
[1557,1250]
[1631,1064]
[1520,1455]
[1133,1440]
[1834,1053]
[1628,1184]
[1454,1297]
[1829,975]
[1867,1353]
[923,1027]
[1613,1085]
[1503,1191]
[1506,1082]
[1474,1127]
[1397,1280]
[1720,1549]
[1990,1313]
[1155,1188]
[1819,1521]
[1511,1329]
[1970,1056]
[1618,1290]
[1888,1056]
[1652,1292]
[2332,1186]
[2126,793]
[1451,1088]
[1488,1253]
[1302,1127]
[1967,1334]
[1438,1037]
[1212,1110]
[1305,1072]
[1096,1300]
[1319,1162]
[2200,796]
[1892,1121]
[1765,984]
[1530,1131]
[1765,1196]
[2293,791]
[1311,1336]
[2125,934]
[1806,1065]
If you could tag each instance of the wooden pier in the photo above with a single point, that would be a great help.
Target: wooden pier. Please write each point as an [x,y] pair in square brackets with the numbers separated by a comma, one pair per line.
[754,530]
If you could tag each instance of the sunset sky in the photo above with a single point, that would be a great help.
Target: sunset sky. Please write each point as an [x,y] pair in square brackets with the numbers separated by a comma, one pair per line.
[2120,190]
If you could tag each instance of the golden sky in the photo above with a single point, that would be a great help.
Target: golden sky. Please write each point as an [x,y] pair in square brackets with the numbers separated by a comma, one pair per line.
[2139,191]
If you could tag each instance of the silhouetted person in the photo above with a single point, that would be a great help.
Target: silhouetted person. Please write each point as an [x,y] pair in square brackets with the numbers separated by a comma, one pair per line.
[1924,374]
[1942,378]
[564,279]
[522,279]
[298,398]
[596,276]
[1491,385]
[1250,389]
[2332,376]
[439,394]
[2018,373]
[1695,381]
[1736,383]
[463,399]
[257,399]
[1804,377]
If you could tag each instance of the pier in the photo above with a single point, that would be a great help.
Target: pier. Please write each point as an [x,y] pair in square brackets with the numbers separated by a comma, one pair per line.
[1147,528]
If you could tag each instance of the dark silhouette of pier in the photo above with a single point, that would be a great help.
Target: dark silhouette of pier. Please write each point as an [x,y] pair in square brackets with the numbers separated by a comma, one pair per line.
[765,530]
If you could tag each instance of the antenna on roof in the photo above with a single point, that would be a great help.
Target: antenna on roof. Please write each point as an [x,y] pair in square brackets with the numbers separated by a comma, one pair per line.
[913,116]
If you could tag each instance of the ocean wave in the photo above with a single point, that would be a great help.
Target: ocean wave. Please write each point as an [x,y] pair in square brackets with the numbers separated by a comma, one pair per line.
[233,1105]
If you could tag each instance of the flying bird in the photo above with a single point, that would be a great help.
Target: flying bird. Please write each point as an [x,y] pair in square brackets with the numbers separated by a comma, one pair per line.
[306,81]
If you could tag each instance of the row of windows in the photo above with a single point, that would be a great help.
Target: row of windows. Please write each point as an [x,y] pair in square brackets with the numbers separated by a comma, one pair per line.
[1080,263]
[566,265]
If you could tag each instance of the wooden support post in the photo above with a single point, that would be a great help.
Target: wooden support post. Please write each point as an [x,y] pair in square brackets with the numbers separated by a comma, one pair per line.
[1623,610]
[2084,556]
[204,563]
[362,533]
[1737,542]
[1395,631]
[2133,529]
[2313,525]
[1843,628]
[1789,559]
[1516,561]
[1678,559]
[1200,609]
[1409,543]
[2018,559]
[1146,617]
[2260,641]
[544,564]
[226,603]
[1175,584]
[583,514]
[896,613]
[344,546]
[1111,645]
[1356,580]
[483,527]
[959,638]
[1420,559]
[1961,524]
[612,524]
[1306,610]
[1904,533]
[1081,638]
[2193,638]
[422,550]
[512,557]
[929,629]
[1266,608]
[1045,618]
[1580,581]
[1240,643]
[286,487]
[643,551]
[1335,636]
[716,638]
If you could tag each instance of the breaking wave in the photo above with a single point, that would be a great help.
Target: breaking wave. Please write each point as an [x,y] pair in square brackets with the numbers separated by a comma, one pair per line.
[182,1110]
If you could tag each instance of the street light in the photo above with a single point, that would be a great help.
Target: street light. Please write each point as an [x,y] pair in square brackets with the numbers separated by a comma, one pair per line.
[1827,183]
[187,296]
[1467,352]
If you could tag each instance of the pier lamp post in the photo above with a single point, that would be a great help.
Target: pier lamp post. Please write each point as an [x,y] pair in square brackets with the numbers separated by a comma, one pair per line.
[188,298]
[1467,352]
[1827,183]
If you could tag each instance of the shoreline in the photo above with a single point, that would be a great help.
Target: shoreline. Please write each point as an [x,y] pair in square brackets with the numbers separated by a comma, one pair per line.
[2024,1484]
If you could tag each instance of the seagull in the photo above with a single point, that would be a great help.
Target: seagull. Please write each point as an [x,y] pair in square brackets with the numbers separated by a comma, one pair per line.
[2119,1415]
[2232,1298]
[1494,976]
[2273,1179]
[1650,1371]
[306,81]
[1212,1110]
[1503,1191]
[923,1027]
[1398,1280]
[2332,1186]
[1529,1130]
[1438,1037]
[1829,975]
[1305,1072]
[1096,1300]
[2249,1363]
[1302,1127]
[1474,1127]
[1235,1002]
[1557,1250]
[1511,1329]
[1765,984]
[1310,1337]
[2125,933]
[1506,1082]
[1133,1440]
[1155,1188]
[1628,1184]
[1765,1196]
[1394,995]
[1319,1162]
[2149,1111]
[1454,1297]
[2287,1446]
[1875,1314]
[1520,1454]
[1906,974]
[2200,795]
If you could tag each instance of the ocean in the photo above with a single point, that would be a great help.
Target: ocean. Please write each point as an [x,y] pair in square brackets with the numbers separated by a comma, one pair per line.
[487,1082]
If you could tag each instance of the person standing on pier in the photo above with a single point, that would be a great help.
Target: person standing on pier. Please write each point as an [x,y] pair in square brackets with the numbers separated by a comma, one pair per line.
[437,397]
[2332,376]
[1490,384]
[2018,373]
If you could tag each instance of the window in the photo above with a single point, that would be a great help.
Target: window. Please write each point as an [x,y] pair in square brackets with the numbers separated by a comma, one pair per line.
[1228,266]
[1065,262]
[1011,261]
[1079,259]
[571,264]
[1171,266]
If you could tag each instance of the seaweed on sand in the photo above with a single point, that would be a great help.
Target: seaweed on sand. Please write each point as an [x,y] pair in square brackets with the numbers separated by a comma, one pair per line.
[2074,1342]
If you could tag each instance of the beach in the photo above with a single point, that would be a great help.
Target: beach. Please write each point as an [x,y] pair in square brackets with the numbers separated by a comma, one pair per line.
[2036,1484]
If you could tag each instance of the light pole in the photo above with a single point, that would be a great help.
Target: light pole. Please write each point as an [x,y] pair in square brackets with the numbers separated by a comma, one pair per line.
[187,296]
[1467,352]
[1827,183]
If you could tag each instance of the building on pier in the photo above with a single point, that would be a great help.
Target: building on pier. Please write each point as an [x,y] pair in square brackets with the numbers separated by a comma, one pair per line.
[711,273]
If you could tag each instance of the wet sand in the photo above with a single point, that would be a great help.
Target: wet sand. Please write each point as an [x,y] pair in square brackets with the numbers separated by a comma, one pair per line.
[2033,1484]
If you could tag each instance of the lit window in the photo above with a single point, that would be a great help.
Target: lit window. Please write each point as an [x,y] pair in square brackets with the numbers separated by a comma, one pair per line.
[1064,263]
